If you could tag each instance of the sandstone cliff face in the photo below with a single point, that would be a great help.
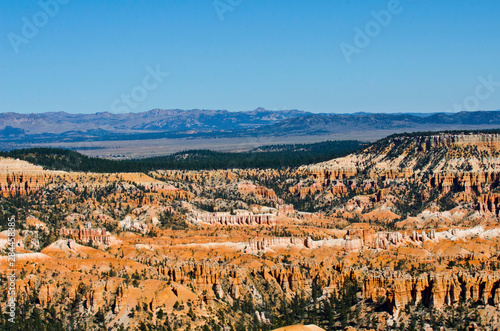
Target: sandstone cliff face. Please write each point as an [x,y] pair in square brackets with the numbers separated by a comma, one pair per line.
[489,204]
[435,290]
[87,235]
[224,218]
[20,177]
[260,245]
[466,162]
[258,191]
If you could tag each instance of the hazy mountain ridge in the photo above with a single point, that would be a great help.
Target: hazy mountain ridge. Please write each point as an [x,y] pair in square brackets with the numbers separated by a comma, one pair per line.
[154,120]
[334,123]
[49,129]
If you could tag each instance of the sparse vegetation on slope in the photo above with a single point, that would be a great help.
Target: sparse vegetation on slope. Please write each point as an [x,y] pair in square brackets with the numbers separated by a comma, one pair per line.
[403,235]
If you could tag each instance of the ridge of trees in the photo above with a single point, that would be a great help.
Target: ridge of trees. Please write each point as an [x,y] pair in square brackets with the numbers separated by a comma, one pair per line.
[274,156]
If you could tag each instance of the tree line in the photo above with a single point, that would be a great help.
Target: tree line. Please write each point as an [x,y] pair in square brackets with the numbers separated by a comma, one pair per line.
[276,156]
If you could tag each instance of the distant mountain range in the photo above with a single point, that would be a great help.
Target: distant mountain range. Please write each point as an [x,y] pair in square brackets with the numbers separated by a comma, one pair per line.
[169,120]
[176,123]
[343,123]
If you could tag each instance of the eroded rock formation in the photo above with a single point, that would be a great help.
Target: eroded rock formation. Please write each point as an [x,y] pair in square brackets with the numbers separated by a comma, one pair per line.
[225,218]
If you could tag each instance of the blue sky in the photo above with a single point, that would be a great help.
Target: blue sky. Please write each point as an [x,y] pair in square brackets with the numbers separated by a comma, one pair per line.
[243,54]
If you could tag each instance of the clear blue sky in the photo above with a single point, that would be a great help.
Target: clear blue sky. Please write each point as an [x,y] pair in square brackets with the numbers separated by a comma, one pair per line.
[274,54]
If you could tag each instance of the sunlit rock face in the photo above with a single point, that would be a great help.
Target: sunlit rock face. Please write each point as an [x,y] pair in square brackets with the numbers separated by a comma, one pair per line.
[407,227]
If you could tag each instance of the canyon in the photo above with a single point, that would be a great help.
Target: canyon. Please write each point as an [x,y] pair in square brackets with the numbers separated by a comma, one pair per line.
[403,234]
